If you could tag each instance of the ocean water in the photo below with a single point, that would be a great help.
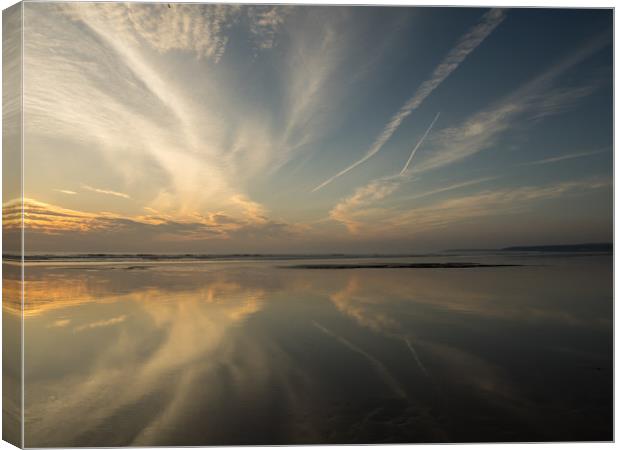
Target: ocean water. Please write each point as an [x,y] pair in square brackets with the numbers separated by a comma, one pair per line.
[257,351]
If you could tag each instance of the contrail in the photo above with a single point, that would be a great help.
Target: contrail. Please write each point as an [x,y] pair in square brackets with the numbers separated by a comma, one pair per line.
[105,191]
[377,189]
[415,149]
[465,45]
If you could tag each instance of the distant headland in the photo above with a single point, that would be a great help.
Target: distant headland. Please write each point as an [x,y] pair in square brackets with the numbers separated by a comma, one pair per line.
[572,248]
[599,247]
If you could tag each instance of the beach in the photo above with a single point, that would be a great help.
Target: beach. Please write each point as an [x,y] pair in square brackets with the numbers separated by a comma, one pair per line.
[192,352]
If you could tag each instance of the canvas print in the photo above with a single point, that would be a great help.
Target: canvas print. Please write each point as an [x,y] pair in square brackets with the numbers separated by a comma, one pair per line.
[229,224]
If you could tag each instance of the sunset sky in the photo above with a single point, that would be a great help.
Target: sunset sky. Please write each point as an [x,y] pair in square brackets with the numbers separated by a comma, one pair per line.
[227,128]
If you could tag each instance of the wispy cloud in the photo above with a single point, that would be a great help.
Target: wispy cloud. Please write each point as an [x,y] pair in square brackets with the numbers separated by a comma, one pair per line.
[317,51]
[252,210]
[266,22]
[352,210]
[101,323]
[466,44]
[165,106]
[486,203]
[59,323]
[374,191]
[380,220]
[559,158]
[533,101]
[128,110]
[64,227]
[200,29]
[98,68]
[452,187]
[103,191]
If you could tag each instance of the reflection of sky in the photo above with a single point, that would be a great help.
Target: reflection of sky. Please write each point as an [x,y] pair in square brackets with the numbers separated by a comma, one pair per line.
[191,354]
[232,128]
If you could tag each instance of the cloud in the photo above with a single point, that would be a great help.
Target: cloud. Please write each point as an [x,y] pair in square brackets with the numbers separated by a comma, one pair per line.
[559,158]
[66,191]
[466,44]
[451,187]
[353,208]
[486,203]
[47,218]
[57,226]
[363,213]
[533,101]
[266,22]
[252,210]
[197,28]
[375,190]
[59,323]
[102,93]
[157,101]
[113,99]
[12,50]
[103,191]
[100,323]
[359,218]
[200,29]
[315,61]
[561,100]
[483,130]
[99,77]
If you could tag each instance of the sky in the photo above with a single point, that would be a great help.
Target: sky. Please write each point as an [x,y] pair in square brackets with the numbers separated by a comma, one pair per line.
[285,129]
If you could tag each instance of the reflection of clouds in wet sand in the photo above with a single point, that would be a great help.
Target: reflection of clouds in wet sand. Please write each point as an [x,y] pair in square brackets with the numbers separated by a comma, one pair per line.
[389,380]
[190,354]
[360,301]
[427,312]
[47,290]
[482,294]
[173,343]
[184,364]
[363,309]
[379,306]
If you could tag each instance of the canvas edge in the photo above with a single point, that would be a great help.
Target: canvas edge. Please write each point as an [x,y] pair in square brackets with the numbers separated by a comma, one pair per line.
[12,226]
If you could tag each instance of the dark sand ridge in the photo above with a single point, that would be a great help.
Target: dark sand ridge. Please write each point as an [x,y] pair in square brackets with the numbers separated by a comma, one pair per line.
[448,265]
